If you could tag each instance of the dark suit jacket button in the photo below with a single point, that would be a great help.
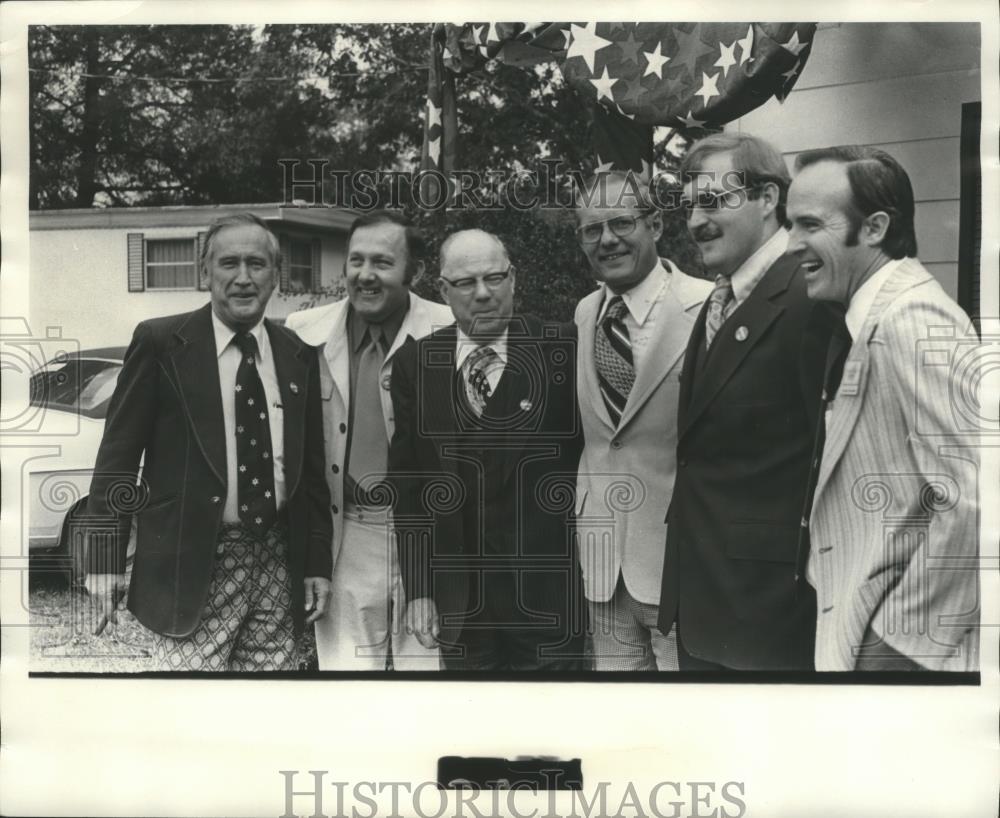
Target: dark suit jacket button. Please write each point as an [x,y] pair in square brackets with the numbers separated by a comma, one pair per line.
[216,499]
[334,509]
[343,427]
[335,467]
[616,444]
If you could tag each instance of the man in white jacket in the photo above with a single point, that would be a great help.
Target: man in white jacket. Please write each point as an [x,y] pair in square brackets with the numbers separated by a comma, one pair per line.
[358,337]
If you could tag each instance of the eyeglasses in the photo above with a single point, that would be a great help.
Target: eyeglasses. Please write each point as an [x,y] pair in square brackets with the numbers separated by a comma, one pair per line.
[714,200]
[619,225]
[467,286]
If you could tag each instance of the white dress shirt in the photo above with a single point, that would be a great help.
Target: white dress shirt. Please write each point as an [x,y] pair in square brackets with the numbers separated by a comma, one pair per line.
[228,355]
[750,272]
[643,302]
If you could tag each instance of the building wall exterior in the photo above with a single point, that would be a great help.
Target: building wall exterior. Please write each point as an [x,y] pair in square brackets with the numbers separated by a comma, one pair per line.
[896,86]
[79,282]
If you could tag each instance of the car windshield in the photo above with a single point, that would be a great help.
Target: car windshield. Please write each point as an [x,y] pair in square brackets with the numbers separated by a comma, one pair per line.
[81,385]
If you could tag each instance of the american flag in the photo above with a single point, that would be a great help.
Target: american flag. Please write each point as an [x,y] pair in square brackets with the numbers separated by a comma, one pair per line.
[633,75]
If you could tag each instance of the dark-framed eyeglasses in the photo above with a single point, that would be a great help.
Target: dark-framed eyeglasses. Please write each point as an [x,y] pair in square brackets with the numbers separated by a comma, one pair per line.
[712,201]
[619,225]
[468,285]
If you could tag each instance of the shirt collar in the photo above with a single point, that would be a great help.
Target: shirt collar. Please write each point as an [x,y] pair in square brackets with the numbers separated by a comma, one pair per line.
[640,299]
[751,271]
[466,346]
[861,303]
[224,335]
[357,326]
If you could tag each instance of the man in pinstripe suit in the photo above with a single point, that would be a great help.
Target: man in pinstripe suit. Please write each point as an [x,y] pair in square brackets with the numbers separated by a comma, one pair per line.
[894,521]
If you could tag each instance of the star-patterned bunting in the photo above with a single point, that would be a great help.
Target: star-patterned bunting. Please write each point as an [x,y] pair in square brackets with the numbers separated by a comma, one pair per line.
[635,75]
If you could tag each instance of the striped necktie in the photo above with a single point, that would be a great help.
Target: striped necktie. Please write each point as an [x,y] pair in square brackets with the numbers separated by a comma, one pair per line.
[718,300]
[613,357]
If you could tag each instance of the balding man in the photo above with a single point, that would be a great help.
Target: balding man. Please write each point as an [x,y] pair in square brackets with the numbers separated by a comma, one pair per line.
[483,462]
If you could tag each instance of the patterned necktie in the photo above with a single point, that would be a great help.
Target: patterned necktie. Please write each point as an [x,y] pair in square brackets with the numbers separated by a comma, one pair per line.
[613,357]
[477,386]
[718,301]
[255,470]
[369,454]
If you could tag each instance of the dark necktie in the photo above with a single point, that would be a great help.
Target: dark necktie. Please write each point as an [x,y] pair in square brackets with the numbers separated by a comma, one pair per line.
[836,355]
[718,302]
[254,458]
[613,359]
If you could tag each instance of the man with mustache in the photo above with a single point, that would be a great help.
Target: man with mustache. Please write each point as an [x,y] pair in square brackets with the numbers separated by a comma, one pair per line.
[222,409]
[633,332]
[483,461]
[749,405]
[359,338]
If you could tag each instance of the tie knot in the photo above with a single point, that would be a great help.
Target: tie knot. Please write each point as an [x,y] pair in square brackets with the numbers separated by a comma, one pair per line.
[616,309]
[480,357]
[247,344]
[723,284]
[374,333]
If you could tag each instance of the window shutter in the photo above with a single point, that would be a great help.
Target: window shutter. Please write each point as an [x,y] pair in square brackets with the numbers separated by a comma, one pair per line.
[284,284]
[315,277]
[136,263]
[199,245]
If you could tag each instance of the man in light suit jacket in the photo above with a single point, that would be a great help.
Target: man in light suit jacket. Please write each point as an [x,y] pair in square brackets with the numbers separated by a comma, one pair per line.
[749,405]
[359,338]
[632,331]
[894,521]
[233,513]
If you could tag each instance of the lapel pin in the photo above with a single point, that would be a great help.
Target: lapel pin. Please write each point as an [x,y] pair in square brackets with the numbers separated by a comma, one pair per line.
[526,405]
[386,382]
[294,388]
[742,333]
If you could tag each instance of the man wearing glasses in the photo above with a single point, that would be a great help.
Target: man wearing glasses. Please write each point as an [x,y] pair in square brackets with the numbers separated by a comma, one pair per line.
[633,331]
[749,405]
[482,462]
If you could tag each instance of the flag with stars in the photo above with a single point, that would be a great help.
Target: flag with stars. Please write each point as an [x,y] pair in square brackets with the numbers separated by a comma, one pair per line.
[641,75]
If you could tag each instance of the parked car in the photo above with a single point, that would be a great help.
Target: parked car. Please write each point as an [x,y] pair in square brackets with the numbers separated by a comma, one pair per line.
[74,391]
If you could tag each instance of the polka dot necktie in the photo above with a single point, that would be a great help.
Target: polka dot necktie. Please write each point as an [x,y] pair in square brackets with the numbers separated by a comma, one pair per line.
[255,466]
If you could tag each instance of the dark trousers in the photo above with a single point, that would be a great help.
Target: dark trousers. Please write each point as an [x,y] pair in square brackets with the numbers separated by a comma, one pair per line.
[502,636]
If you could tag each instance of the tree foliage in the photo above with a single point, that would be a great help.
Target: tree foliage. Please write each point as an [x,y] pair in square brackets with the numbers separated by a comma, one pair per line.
[171,114]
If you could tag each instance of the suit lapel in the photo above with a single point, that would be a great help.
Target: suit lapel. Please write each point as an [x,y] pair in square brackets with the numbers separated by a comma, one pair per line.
[666,345]
[437,388]
[756,314]
[851,394]
[336,354]
[586,367]
[518,388]
[292,371]
[196,370]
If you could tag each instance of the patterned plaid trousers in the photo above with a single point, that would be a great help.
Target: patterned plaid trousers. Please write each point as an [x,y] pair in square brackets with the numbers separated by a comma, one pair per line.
[625,636]
[247,622]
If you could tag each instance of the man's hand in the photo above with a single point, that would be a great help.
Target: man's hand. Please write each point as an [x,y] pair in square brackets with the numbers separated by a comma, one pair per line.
[422,620]
[105,591]
[317,597]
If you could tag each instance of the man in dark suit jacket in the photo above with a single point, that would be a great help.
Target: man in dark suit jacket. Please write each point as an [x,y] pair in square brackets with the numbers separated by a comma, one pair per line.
[483,463]
[233,517]
[749,405]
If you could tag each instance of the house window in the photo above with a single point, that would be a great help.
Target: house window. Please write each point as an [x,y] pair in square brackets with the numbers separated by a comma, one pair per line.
[300,270]
[171,264]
